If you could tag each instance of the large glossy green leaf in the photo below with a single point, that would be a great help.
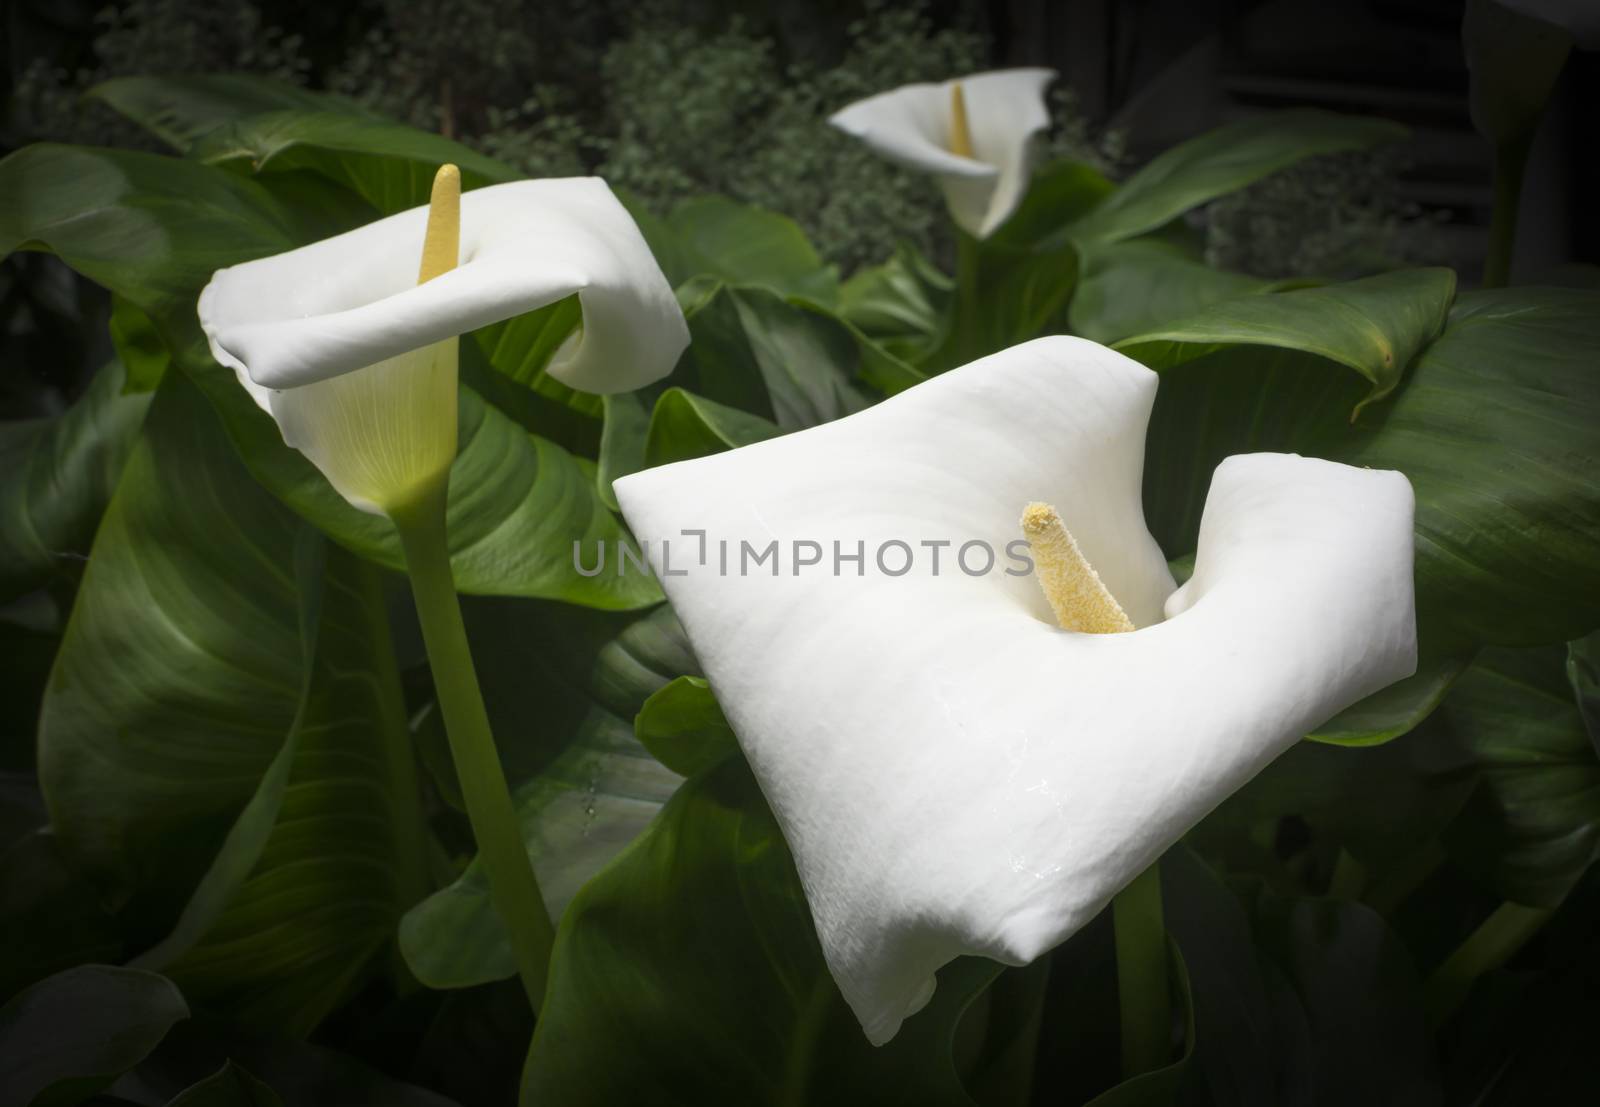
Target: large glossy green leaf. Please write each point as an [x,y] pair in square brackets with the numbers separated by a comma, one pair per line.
[689,971]
[56,476]
[684,425]
[1126,288]
[179,110]
[150,228]
[752,350]
[389,165]
[746,245]
[1532,825]
[1223,161]
[154,229]
[310,881]
[1497,425]
[1375,326]
[68,1036]
[576,679]
[195,728]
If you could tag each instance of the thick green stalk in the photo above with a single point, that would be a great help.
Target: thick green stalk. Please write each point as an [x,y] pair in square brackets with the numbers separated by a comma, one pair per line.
[1510,164]
[513,888]
[1486,949]
[1146,1004]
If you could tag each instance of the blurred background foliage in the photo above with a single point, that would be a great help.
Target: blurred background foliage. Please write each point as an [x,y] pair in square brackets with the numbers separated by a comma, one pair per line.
[676,98]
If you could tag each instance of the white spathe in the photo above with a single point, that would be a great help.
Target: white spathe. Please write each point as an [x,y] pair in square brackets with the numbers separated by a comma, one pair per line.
[955,774]
[912,125]
[357,361]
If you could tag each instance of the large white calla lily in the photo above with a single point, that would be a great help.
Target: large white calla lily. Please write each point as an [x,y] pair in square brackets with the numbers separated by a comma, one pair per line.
[954,772]
[355,358]
[974,134]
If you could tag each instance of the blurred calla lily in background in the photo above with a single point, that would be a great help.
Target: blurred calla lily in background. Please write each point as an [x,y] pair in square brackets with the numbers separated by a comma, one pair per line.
[974,134]
[954,772]
[356,360]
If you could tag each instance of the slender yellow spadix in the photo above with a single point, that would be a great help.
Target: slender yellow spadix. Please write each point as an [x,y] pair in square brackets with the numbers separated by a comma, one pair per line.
[960,126]
[441,244]
[1077,596]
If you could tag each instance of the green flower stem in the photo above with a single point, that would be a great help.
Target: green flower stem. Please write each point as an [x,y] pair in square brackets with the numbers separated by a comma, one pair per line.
[1486,949]
[1510,164]
[1146,1004]
[513,887]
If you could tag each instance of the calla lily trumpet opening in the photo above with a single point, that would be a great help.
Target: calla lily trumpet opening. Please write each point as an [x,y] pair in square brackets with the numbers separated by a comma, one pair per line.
[955,772]
[975,134]
[355,358]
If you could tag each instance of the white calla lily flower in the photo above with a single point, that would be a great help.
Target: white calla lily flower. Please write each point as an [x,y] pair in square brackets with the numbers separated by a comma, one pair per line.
[974,134]
[954,772]
[356,359]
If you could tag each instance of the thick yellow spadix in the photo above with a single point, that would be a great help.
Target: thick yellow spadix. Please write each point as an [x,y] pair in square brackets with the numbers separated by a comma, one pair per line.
[441,244]
[1078,597]
[960,126]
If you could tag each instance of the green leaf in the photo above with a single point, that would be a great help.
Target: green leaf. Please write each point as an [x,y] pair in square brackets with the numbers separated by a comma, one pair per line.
[684,425]
[903,304]
[576,679]
[622,438]
[56,476]
[1497,425]
[139,347]
[690,963]
[229,1086]
[387,164]
[522,346]
[1130,287]
[187,698]
[1395,710]
[683,727]
[332,827]
[1223,161]
[151,229]
[68,1036]
[747,245]
[1375,326]
[179,110]
[1532,826]
[752,350]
